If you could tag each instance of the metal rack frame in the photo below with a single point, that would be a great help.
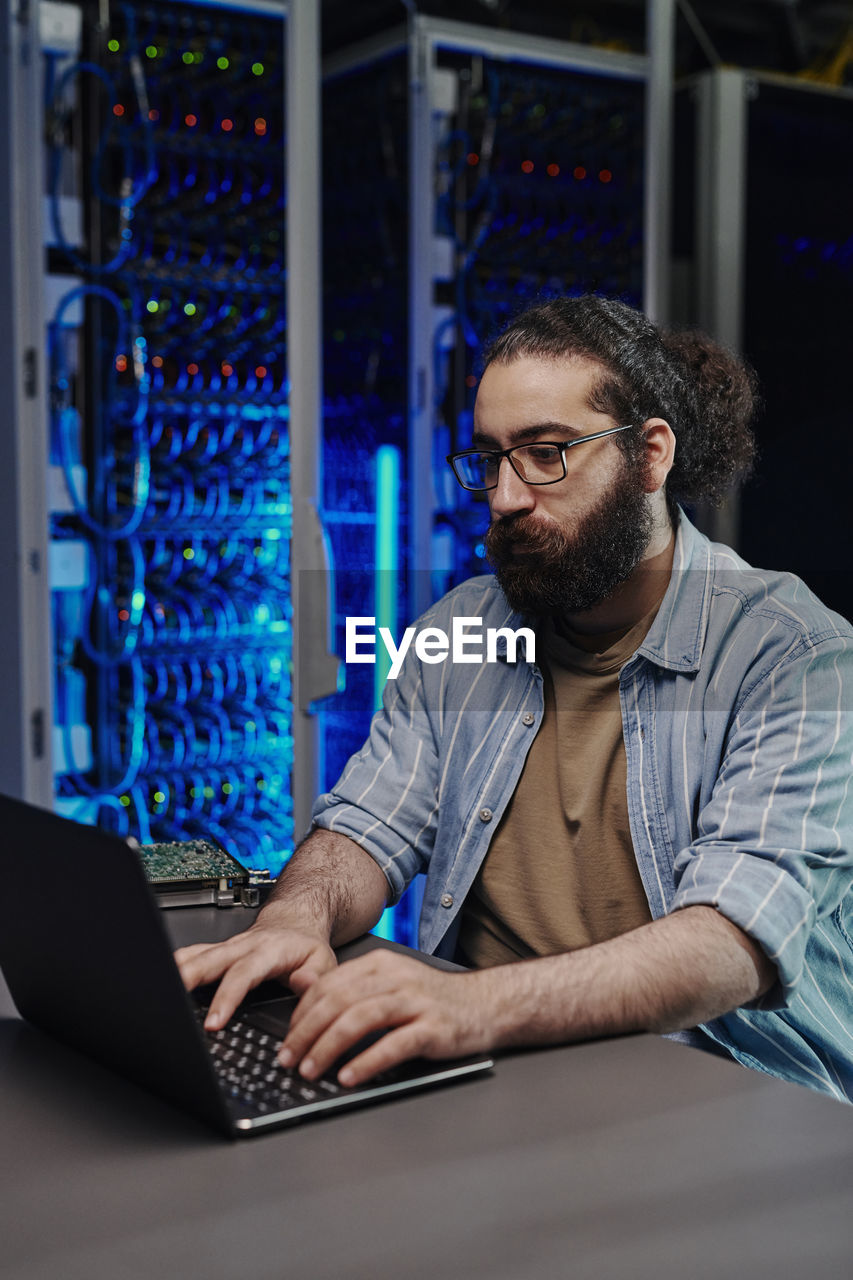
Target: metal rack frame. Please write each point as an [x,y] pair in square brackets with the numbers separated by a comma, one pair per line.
[26,701]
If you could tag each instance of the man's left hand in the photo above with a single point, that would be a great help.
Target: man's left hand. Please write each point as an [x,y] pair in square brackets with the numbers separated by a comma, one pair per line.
[424,1012]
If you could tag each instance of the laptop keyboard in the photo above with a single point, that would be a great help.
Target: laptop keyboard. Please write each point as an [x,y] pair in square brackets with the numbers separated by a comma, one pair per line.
[244,1057]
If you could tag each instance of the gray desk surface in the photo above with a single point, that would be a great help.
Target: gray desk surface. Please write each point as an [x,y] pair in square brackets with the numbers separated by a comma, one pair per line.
[633,1157]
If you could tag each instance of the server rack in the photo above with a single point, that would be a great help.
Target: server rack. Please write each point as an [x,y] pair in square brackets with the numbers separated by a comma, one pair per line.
[765,237]
[182,460]
[464,171]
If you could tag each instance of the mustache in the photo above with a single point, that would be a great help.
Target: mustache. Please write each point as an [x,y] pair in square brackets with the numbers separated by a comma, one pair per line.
[506,534]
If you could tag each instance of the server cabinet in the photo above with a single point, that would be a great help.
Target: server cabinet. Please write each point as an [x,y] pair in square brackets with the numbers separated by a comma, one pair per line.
[180,415]
[465,172]
[768,233]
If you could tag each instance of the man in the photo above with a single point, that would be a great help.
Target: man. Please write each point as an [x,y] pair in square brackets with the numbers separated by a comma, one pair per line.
[647,829]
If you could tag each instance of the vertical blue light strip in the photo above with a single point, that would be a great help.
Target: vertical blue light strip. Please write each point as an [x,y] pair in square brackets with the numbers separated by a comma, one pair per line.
[385,585]
[385,559]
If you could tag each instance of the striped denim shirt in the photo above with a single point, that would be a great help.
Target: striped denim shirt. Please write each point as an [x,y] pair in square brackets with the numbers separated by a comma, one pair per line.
[737,714]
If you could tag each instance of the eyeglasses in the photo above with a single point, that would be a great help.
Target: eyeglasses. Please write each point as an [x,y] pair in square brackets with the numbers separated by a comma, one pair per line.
[541,463]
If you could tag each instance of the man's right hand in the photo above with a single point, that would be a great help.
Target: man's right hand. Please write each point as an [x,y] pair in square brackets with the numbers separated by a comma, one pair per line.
[296,957]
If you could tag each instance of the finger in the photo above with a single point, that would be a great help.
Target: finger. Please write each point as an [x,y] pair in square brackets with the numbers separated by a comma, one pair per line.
[396,1046]
[239,979]
[303,978]
[206,961]
[346,983]
[317,1047]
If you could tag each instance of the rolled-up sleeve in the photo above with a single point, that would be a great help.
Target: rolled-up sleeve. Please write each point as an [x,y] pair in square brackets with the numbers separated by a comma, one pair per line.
[386,798]
[773,846]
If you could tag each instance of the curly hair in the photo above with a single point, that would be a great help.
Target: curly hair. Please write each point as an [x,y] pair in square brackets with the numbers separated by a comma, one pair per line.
[706,393]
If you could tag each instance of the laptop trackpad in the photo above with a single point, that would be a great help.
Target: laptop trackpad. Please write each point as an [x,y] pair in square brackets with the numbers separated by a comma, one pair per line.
[273,1016]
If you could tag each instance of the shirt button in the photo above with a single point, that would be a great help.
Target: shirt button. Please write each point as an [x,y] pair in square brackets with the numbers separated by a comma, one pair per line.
[528,718]
[485,815]
[447,899]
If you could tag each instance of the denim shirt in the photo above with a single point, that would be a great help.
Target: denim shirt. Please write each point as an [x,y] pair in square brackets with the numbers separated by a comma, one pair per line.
[737,714]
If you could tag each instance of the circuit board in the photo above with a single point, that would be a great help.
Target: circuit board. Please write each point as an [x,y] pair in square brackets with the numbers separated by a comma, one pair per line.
[186,873]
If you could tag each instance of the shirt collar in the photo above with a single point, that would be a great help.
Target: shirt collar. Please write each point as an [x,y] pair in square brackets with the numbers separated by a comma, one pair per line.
[677,635]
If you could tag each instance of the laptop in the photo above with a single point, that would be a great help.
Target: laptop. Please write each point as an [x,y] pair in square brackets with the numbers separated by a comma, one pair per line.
[87,959]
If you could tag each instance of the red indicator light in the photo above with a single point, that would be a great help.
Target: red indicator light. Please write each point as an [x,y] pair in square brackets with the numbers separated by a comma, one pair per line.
[552,170]
[192,369]
[124,616]
[260,372]
[191,121]
[605,175]
[580,173]
[527,166]
[121,363]
[157,362]
[154,114]
[227,370]
[118,109]
[260,127]
[472,158]
[227,126]
[471,380]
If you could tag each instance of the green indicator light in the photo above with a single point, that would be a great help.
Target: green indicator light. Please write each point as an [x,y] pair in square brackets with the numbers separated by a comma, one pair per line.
[189,554]
[194,792]
[208,793]
[159,797]
[187,57]
[152,306]
[151,51]
[251,726]
[137,600]
[198,56]
[189,309]
[223,64]
[125,800]
[257,68]
[114,46]
[227,788]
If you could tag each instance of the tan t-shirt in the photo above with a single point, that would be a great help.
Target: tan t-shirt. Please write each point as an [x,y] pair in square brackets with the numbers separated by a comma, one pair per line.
[560,872]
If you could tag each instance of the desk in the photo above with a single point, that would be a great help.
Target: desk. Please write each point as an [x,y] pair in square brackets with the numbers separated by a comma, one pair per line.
[634,1157]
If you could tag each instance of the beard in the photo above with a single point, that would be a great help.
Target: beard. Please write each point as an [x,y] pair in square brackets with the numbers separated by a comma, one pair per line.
[543,568]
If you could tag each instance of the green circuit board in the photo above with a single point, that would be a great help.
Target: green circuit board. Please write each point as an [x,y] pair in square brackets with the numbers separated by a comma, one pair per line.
[188,860]
[199,873]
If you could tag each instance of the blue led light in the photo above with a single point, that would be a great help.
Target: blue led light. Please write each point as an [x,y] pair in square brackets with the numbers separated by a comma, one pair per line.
[386,554]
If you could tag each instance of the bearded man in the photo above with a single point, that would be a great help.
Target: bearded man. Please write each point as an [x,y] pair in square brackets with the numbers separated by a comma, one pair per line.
[650,828]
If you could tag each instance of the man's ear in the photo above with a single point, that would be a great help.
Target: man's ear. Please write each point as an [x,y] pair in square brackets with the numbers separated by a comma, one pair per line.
[659,441]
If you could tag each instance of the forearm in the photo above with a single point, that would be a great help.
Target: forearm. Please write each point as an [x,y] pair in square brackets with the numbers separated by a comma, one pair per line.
[676,972]
[330,885]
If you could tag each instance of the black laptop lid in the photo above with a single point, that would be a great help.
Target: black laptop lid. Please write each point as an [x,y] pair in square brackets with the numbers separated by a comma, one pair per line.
[87,958]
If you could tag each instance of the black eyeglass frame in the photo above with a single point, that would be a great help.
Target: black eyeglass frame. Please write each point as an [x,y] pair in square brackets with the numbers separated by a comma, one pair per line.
[498,454]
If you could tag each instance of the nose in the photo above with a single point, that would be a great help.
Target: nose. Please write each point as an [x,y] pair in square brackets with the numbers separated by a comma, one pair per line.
[511,496]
